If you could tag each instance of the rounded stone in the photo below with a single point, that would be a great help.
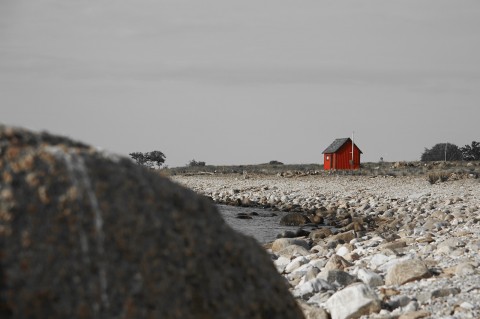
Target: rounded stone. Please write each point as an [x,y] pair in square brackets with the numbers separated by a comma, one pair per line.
[282,243]
[406,271]
[294,219]
[353,302]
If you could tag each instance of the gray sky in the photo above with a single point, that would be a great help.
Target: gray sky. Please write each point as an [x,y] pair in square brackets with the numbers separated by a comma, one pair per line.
[244,82]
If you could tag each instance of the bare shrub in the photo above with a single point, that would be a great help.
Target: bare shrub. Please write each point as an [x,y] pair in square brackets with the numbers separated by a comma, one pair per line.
[438,177]
[443,176]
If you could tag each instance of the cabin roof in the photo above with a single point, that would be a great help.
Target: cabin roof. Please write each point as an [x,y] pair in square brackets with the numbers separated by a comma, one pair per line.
[337,144]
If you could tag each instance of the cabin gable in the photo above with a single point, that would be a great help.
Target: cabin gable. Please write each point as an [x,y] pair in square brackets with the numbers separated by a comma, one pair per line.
[338,155]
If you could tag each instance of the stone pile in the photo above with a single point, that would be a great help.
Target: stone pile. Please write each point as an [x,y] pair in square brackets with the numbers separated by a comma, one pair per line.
[383,247]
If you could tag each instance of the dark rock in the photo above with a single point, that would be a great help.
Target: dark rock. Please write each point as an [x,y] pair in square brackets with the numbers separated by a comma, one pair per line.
[287,234]
[85,235]
[338,277]
[332,244]
[209,198]
[320,233]
[301,232]
[294,219]
[309,227]
[243,216]
[268,215]
[426,296]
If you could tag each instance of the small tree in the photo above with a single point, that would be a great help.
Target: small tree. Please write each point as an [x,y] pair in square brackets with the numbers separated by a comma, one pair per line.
[275,162]
[471,152]
[153,159]
[441,152]
[194,163]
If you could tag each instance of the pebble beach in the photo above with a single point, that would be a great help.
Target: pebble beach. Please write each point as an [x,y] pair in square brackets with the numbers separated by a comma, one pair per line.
[370,247]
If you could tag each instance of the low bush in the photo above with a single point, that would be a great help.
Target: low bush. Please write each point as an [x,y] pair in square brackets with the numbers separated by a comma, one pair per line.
[275,163]
[437,177]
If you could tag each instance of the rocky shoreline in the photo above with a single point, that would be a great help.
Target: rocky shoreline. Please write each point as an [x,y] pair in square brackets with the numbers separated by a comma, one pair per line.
[378,247]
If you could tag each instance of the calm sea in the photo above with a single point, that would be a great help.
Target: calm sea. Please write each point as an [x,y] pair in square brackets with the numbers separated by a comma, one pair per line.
[264,227]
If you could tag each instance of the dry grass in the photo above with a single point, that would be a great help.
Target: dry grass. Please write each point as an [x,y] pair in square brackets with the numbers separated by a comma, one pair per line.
[433,171]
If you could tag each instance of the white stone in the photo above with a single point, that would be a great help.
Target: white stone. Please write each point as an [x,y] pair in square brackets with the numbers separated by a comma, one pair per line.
[294,264]
[281,263]
[282,243]
[311,274]
[406,271]
[320,298]
[342,251]
[393,261]
[311,287]
[321,250]
[352,302]
[319,263]
[300,271]
[467,306]
[411,307]
[465,269]
[378,260]
[296,277]
[377,239]
[370,278]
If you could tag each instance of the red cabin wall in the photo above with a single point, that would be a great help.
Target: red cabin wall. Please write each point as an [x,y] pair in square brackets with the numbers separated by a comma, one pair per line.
[341,159]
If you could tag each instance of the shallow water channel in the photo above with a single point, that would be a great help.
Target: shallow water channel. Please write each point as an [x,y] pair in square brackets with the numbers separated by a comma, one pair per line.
[264,227]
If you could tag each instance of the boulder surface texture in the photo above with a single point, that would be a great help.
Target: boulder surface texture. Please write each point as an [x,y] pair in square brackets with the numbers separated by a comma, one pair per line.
[353,302]
[406,271]
[88,235]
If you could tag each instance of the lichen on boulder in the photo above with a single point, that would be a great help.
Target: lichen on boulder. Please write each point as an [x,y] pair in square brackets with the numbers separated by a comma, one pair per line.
[86,235]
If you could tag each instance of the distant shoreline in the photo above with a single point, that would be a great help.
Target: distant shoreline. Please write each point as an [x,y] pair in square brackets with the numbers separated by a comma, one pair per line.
[306,193]
[401,168]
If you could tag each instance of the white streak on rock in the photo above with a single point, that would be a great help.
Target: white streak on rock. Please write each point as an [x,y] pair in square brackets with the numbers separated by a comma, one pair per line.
[80,179]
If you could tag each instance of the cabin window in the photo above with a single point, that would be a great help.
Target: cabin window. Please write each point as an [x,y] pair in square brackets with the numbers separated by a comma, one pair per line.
[328,158]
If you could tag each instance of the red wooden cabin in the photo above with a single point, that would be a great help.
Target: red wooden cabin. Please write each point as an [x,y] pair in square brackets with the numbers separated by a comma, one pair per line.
[339,155]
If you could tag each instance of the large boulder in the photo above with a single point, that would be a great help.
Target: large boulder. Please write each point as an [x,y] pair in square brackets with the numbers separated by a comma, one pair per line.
[282,243]
[406,271]
[88,235]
